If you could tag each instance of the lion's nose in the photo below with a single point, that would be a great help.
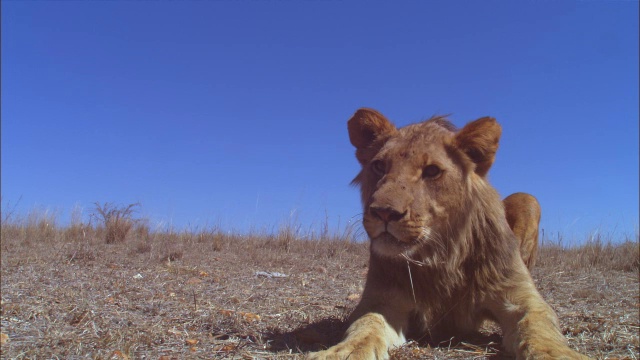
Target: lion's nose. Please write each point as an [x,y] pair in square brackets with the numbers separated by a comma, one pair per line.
[387,214]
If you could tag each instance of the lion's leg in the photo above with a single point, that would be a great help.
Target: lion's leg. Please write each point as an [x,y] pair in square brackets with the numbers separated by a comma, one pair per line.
[379,323]
[369,337]
[529,325]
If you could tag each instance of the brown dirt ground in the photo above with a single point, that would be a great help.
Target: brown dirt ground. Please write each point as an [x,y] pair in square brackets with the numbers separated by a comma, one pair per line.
[180,296]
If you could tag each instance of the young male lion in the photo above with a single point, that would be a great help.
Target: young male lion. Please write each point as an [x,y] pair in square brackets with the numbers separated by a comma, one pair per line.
[443,258]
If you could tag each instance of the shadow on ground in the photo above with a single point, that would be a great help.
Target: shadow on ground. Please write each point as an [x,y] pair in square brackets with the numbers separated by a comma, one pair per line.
[311,337]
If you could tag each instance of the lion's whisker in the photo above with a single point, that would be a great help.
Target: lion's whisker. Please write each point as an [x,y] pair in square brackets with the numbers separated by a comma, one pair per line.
[413,291]
[410,260]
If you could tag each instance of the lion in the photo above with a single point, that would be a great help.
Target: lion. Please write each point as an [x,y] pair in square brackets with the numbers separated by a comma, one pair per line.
[442,255]
[523,216]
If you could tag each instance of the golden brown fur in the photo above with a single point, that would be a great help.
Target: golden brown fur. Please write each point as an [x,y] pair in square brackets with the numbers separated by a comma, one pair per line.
[523,215]
[443,257]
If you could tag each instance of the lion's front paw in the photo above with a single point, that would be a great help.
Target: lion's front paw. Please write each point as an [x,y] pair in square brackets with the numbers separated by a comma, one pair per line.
[348,351]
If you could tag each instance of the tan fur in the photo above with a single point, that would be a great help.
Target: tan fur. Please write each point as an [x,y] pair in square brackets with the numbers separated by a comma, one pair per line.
[523,215]
[443,257]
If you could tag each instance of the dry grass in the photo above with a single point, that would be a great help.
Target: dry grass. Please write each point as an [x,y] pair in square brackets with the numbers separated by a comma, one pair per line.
[70,293]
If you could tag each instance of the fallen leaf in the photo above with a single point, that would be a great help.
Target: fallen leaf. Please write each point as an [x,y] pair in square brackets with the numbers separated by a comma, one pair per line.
[194,280]
[353,297]
[225,348]
[250,317]
[204,273]
[4,338]
[226,312]
[191,341]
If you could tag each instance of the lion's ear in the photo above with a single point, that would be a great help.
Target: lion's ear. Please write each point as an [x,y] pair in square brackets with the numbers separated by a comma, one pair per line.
[365,126]
[479,141]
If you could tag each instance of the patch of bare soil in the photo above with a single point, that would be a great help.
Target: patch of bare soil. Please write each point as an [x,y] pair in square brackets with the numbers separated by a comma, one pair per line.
[173,296]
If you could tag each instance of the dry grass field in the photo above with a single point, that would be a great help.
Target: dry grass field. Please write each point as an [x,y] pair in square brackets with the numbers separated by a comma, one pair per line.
[116,290]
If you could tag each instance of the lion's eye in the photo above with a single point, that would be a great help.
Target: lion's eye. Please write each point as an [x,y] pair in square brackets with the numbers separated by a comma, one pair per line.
[378,167]
[431,172]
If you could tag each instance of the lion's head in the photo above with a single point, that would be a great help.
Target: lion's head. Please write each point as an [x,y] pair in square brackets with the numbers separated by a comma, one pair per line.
[419,183]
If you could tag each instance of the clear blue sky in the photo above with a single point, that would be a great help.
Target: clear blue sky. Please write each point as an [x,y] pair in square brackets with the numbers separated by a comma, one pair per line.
[234,113]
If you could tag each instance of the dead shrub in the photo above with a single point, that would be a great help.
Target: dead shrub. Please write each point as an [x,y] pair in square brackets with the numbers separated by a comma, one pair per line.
[117,220]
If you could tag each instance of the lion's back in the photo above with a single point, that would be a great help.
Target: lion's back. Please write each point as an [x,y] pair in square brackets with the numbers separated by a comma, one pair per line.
[523,215]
